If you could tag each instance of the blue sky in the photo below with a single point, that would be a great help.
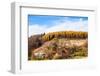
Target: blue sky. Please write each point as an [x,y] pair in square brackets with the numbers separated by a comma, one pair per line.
[39,24]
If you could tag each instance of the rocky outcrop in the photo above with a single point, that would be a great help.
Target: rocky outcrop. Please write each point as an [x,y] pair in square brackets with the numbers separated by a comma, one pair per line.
[57,49]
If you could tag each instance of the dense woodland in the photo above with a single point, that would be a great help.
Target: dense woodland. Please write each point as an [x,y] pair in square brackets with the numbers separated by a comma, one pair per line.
[65,34]
[42,40]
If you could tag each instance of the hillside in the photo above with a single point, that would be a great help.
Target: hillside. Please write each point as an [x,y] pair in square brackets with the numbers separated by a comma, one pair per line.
[61,49]
[58,45]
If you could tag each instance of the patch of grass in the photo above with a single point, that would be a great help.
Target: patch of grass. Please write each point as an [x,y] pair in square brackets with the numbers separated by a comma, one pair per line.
[80,52]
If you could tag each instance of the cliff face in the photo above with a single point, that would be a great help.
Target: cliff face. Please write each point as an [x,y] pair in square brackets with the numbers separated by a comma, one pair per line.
[60,49]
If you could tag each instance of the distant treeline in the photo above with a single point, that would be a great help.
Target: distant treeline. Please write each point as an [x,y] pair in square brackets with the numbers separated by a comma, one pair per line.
[65,34]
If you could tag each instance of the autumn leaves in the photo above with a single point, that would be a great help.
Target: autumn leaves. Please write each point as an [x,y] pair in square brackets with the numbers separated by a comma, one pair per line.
[65,34]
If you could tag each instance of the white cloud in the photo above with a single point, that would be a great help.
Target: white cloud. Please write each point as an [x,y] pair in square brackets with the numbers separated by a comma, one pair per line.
[36,29]
[59,26]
